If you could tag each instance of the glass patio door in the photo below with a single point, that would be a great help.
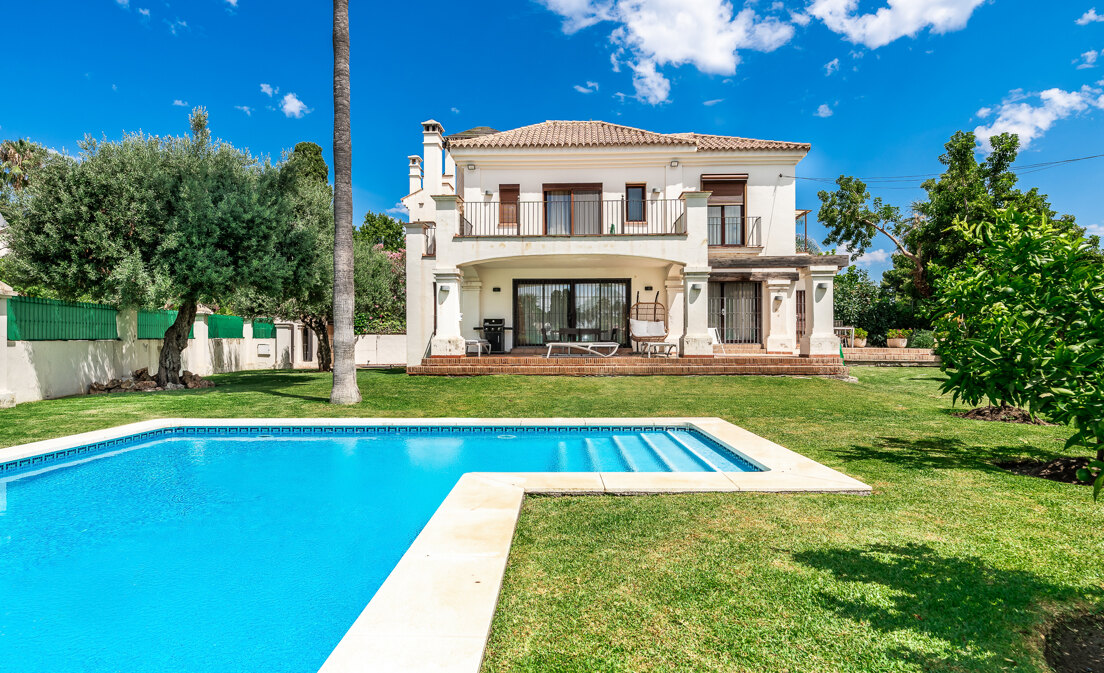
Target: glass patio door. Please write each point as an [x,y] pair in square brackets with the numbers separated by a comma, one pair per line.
[569,310]
[735,311]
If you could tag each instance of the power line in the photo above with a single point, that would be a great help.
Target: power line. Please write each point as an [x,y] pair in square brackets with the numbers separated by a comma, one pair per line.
[879,181]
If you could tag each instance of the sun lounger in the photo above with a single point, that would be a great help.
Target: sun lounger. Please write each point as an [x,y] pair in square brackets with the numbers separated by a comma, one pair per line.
[602,349]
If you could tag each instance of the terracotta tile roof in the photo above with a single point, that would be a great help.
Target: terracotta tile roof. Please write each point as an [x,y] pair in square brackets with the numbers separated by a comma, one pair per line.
[604,134]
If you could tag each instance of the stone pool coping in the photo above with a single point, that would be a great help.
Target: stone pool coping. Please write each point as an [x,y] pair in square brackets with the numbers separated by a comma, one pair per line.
[434,611]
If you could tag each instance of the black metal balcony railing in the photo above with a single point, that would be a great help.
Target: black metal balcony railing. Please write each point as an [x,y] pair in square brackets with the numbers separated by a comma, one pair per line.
[578,217]
[736,231]
[429,231]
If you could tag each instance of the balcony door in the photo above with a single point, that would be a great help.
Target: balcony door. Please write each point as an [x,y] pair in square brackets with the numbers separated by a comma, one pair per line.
[570,310]
[573,210]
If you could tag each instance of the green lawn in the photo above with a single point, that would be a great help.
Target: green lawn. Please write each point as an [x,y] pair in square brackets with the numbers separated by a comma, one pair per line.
[952,565]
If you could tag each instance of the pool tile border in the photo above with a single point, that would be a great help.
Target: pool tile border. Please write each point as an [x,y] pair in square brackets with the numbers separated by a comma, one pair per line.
[434,611]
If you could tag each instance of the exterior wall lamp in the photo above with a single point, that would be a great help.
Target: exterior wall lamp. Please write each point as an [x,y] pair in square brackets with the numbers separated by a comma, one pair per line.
[674,163]
[471,167]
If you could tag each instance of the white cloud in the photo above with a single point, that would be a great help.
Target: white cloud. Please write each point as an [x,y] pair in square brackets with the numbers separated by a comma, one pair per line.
[180,103]
[1089,17]
[590,87]
[1095,230]
[455,110]
[232,3]
[1031,119]
[291,106]
[896,20]
[114,87]
[1087,60]
[800,18]
[246,109]
[144,11]
[870,257]
[175,26]
[268,90]
[650,34]
[823,111]
[711,103]
[398,210]
[123,3]
[831,67]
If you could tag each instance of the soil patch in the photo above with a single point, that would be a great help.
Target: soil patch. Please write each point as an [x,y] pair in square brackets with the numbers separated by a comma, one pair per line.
[1006,414]
[1060,469]
[1076,645]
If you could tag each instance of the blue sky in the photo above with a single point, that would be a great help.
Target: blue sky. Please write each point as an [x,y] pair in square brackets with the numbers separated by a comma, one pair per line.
[877,86]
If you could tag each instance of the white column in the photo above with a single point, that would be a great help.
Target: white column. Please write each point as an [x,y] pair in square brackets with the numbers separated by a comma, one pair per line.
[7,397]
[695,341]
[781,317]
[820,337]
[470,308]
[448,340]
[419,300]
[676,309]
[248,355]
[127,355]
[197,354]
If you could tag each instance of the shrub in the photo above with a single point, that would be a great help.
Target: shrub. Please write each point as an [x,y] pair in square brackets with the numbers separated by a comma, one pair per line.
[860,333]
[898,333]
[1020,323]
[922,338]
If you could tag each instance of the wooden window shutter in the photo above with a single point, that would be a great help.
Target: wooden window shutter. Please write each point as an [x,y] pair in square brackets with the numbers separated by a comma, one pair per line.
[508,199]
[725,192]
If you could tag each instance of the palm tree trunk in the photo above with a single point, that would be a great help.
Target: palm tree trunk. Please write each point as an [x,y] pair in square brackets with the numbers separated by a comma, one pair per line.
[345,390]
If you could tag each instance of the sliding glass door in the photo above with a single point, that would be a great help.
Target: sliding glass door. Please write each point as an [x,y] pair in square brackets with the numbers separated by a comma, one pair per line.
[573,212]
[570,310]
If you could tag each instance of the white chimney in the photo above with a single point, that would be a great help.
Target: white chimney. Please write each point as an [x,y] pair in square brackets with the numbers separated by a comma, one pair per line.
[433,145]
[415,173]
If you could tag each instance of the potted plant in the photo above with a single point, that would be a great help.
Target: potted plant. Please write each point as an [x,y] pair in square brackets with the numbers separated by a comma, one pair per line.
[860,338]
[897,338]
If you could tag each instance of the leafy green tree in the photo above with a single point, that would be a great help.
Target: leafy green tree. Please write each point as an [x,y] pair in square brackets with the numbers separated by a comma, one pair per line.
[382,229]
[305,163]
[925,241]
[1021,323]
[151,221]
[861,303]
[807,244]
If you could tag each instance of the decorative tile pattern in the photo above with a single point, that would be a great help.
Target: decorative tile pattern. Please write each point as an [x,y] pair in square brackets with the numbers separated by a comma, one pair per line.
[253,431]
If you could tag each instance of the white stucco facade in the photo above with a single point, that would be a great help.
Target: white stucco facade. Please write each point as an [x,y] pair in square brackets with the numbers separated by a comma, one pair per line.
[637,217]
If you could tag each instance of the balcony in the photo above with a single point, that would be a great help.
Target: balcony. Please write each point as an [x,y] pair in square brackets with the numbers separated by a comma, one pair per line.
[735,232]
[573,217]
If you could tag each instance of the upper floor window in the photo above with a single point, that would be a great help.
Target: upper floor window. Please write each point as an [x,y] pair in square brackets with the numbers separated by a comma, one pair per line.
[508,204]
[634,203]
[573,209]
[727,208]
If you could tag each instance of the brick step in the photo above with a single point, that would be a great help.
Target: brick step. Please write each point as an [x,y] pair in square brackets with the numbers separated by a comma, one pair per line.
[632,366]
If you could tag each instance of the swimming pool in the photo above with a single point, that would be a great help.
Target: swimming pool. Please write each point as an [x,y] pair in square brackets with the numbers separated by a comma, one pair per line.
[225,548]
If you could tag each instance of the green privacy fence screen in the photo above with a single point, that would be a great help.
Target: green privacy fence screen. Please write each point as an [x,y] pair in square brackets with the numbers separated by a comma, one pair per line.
[264,328]
[225,327]
[34,319]
[152,324]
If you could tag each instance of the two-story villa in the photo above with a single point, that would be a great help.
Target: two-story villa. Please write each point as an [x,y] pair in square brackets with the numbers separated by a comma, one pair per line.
[556,229]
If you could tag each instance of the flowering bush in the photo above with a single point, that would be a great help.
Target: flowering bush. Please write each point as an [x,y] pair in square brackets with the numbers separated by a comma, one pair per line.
[898,333]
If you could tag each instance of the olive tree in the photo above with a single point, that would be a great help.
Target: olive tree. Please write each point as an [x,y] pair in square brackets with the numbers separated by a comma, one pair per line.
[151,221]
[1021,322]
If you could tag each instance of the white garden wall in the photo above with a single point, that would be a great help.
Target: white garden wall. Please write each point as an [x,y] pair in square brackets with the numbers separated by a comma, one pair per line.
[37,370]
[381,349]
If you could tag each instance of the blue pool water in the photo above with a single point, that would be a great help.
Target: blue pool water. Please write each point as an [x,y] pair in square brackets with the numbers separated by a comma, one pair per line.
[205,550]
